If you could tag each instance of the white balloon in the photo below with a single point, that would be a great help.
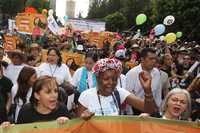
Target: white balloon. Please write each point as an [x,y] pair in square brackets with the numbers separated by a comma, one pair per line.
[50,12]
[162,38]
[169,20]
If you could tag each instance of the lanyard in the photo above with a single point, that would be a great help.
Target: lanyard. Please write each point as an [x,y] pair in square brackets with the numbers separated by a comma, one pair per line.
[52,72]
[120,82]
[115,102]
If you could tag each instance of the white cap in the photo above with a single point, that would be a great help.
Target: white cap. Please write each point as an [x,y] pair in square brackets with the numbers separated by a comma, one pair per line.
[135,46]
[121,53]
[80,47]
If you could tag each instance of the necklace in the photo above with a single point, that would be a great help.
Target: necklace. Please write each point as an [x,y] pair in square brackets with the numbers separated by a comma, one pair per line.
[52,71]
[115,102]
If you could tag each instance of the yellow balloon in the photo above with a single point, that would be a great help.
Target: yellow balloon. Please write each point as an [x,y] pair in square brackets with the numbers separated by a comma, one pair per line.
[170,38]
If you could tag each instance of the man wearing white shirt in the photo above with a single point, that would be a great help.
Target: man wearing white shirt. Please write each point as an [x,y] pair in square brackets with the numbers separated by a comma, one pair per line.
[148,61]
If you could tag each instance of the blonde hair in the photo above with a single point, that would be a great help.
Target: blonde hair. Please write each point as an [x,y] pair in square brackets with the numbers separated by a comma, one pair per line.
[173,92]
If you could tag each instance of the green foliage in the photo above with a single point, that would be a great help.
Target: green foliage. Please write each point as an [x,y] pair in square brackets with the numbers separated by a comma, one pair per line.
[38,4]
[115,22]
[154,11]
[98,9]
[186,13]
[34,3]
[11,7]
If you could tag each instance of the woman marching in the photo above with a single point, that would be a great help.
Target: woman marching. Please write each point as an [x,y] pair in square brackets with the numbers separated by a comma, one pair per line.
[106,99]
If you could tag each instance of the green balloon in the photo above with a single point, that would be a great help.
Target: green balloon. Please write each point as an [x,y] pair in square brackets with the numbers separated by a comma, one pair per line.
[141,19]
[179,34]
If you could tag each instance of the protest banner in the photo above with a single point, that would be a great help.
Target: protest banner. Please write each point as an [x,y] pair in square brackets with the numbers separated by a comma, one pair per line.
[52,25]
[87,25]
[10,42]
[108,124]
[11,24]
[28,22]
[78,58]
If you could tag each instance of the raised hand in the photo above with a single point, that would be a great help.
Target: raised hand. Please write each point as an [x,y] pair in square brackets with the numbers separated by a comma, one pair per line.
[62,120]
[145,80]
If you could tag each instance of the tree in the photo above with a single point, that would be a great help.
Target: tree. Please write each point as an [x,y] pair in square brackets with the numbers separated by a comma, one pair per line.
[115,22]
[80,15]
[38,4]
[98,9]
[9,8]
[154,10]
[186,13]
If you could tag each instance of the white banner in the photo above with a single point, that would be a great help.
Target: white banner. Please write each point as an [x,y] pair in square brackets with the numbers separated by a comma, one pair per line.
[11,24]
[87,25]
[52,25]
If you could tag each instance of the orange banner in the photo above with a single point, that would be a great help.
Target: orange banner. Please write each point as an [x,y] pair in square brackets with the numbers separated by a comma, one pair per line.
[110,124]
[29,23]
[10,42]
[78,58]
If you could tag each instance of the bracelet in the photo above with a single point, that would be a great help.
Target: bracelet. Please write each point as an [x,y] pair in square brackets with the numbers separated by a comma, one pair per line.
[148,95]
[149,99]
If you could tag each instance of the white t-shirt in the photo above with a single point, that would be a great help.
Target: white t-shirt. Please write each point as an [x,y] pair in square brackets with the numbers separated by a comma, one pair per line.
[164,80]
[77,77]
[121,83]
[90,100]
[20,102]
[61,73]
[12,72]
[133,83]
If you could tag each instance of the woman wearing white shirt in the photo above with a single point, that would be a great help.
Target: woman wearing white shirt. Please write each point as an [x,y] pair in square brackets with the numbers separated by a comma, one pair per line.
[176,105]
[106,99]
[13,69]
[22,90]
[84,78]
[54,67]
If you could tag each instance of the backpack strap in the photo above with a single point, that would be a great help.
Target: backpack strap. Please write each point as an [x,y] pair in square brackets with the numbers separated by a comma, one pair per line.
[117,96]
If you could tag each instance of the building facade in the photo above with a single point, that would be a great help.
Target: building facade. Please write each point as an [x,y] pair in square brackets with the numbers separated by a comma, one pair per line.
[52,4]
[70,8]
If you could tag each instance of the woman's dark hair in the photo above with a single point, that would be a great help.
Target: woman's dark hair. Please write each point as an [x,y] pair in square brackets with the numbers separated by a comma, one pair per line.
[59,62]
[92,55]
[22,81]
[38,86]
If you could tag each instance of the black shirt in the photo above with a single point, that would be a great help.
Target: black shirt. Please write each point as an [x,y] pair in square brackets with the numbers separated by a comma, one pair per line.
[28,114]
[5,88]
[3,114]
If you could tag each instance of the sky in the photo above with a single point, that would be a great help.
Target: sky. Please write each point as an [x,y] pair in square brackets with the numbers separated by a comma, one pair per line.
[81,6]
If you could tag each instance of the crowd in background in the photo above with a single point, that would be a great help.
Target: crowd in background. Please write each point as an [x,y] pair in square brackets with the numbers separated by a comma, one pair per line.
[128,77]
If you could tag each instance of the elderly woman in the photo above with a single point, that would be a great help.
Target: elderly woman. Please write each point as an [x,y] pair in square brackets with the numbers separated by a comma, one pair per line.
[176,105]
[106,98]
